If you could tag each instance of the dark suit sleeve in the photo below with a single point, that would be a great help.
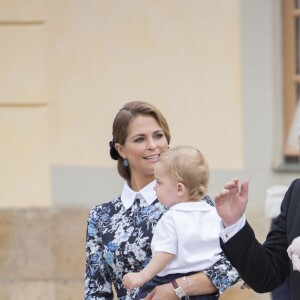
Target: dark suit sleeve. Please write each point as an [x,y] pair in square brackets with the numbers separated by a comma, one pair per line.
[262,267]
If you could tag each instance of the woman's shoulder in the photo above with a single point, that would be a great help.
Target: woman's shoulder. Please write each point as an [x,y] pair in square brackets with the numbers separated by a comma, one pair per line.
[208,200]
[100,209]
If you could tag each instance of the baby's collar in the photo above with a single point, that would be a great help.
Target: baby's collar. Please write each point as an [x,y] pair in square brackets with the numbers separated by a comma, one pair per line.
[147,193]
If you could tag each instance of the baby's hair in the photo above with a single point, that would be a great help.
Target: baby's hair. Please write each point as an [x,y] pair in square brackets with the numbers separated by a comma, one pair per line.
[188,166]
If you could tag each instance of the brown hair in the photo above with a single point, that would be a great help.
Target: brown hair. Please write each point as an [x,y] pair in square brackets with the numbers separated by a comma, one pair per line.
[187,165]
[121,123]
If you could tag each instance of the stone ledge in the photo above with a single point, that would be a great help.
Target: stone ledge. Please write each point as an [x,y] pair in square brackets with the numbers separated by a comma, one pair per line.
[42,244]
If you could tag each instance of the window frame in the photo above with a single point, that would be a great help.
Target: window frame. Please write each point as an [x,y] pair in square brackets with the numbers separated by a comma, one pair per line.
[291,79]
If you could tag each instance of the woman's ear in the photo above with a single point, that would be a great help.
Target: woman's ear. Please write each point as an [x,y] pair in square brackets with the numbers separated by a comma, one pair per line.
[180,189]
[120,150]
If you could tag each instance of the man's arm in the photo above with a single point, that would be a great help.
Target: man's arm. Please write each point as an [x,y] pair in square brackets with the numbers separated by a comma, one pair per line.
[262,267]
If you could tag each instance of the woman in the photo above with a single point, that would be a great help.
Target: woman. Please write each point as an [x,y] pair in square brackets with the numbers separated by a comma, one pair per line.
[119,232]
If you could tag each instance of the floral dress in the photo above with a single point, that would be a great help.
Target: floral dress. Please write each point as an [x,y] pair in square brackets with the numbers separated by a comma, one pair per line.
[118,241]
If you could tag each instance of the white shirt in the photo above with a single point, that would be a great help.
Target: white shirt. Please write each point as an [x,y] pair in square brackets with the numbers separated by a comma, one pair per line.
[147,193]
[228,232]
[190,231]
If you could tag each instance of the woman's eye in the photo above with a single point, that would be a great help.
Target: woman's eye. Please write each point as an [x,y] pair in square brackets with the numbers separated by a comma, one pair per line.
[159,136]
[139,140]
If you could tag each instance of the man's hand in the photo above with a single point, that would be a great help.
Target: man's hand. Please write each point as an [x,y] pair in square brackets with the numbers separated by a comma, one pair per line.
[232,200]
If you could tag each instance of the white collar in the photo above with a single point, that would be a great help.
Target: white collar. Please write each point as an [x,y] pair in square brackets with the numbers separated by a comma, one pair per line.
[128,195]
[199,205]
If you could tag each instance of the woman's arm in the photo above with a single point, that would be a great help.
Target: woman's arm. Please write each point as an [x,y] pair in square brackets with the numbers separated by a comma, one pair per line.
[158,262]
[219,277]
[98,284]
[222,274]
[198,284]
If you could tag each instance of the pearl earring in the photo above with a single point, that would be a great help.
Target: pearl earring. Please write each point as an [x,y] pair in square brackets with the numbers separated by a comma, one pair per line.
[125,162]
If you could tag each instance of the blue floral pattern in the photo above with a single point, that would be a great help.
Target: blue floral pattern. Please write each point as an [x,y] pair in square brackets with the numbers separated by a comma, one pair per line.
[118,242]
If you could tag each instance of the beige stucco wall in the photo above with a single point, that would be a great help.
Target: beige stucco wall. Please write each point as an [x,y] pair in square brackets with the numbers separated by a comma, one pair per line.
[24,127]
[183,57]
[66,67]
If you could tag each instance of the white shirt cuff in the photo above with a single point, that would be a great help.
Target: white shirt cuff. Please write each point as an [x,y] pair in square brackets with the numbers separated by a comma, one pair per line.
[228,232]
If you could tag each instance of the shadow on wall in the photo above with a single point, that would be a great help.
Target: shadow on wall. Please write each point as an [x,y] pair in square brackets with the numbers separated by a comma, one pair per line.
[75,186]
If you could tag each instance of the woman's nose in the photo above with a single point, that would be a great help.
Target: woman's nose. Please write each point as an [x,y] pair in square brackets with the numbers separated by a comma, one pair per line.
[151,144]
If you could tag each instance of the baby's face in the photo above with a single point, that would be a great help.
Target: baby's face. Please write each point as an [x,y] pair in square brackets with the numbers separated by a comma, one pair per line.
[165,188]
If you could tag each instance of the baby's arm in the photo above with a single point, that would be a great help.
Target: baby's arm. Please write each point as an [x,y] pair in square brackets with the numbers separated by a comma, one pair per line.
[158,262]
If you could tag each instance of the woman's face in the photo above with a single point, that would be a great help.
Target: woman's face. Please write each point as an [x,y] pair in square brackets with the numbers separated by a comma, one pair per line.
[143,145]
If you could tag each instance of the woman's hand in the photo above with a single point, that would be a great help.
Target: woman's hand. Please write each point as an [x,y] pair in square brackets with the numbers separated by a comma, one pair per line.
[231,202]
